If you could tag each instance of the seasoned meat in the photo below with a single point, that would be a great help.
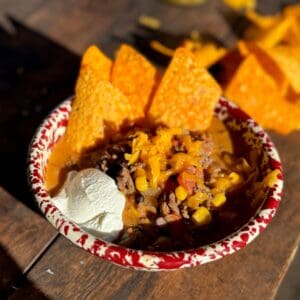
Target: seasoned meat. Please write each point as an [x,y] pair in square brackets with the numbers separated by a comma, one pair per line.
[125,182]
[165,210]
[184,212]
[172,204]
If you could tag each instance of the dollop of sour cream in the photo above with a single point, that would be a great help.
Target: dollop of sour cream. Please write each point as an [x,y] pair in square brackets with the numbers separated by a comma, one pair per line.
[91,199]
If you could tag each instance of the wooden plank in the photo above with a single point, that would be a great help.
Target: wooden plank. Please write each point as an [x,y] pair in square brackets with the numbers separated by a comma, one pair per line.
[24,235]
[107,24]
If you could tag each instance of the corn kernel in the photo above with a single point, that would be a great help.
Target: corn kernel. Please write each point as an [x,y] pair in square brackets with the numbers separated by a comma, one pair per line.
[222,184]
[271,178]
[141,183]
[215,191]
[201,216]
[180,193]
[234,178]
[218,200]
[195,200]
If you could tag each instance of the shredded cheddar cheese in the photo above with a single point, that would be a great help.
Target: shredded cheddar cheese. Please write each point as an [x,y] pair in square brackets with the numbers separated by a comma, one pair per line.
[155,153]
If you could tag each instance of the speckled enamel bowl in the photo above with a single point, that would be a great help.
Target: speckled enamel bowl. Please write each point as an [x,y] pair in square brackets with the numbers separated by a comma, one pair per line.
[53,128]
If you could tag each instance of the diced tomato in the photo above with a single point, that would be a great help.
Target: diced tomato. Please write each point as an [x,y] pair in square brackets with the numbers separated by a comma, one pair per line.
[187,181]
[194,170]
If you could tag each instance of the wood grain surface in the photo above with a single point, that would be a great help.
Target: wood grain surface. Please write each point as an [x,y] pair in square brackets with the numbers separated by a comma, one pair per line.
[39,61]
[24,236]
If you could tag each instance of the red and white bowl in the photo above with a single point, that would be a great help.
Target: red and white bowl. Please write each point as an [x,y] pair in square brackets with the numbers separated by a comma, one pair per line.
[54,127]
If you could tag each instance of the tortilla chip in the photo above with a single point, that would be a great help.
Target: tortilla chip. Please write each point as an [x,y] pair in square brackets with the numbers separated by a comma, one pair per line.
[261,21]
[97,113]
[206,53]
[135,77]
[288,59]
[292,11]
[292,36]
[161,48]
[209,54]
[94,59]
[276,33]
[267,62]
[292,96]
[95,66]
[191,45]
[257,94]
[186,95]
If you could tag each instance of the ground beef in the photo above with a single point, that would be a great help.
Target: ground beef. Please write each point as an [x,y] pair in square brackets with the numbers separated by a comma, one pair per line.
[125,182]
[164,208]
[172,204]
[184,212]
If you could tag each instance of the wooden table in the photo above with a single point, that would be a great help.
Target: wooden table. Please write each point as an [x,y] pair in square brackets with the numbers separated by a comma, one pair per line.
[39,54]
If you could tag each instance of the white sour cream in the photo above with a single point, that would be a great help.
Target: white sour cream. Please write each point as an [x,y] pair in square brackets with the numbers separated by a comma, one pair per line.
[91,199]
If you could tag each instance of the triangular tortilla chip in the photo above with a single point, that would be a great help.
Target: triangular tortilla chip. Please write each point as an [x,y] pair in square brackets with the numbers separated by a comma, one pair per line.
[86,120]
[186,95]
[267,62]
[95,66]
[292,11]
[257,94]
[288,59]
[209,54]
[96,113]
[273,35]
[135,76]
[97,61]
[292,36]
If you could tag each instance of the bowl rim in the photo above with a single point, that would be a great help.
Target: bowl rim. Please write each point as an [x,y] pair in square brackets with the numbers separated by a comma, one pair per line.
[142,259]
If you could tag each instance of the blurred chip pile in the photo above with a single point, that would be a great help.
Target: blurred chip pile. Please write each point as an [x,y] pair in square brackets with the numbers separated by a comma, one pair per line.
[262,72]
[266,82]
